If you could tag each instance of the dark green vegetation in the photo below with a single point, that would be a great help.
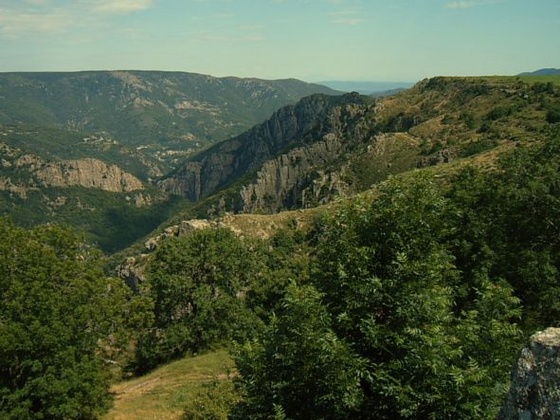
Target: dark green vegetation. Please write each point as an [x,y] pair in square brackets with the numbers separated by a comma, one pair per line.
[193,282]
[111,220]
[61,321]
[409,300]
[417,298]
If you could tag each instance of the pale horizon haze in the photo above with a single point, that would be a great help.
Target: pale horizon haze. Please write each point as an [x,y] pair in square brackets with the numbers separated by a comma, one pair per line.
[311,40]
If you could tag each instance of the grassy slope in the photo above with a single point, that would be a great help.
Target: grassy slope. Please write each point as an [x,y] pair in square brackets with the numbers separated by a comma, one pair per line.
[163,393]
[554,79]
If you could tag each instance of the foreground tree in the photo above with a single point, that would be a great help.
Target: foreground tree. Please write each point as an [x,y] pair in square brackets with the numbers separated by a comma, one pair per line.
[56,308]
[196,284]
[439,341]
[298,368]
[391,327]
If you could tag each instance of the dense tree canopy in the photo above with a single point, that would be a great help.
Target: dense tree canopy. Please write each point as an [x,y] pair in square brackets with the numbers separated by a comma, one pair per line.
[196,283]
[57,313]
[392,327]
[409,302]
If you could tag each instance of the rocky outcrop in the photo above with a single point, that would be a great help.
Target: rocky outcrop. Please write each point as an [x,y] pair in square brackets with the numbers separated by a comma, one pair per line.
[437,158]
[535,387]
[20,172]
[281,158]
[87,173]
[292,179]
[181,229]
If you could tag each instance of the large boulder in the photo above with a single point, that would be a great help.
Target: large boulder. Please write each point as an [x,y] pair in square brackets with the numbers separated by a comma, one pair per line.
[535,380]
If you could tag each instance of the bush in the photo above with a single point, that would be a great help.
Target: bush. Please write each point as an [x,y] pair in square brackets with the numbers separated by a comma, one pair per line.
[553,116]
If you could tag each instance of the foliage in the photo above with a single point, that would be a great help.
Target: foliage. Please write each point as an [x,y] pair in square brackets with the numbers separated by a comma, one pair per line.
[107,219]
[56,309]
[213,402]
[509,219]
[395,290]
[196,282]
[300,367]
[282,258]
[553,115]
[416,334]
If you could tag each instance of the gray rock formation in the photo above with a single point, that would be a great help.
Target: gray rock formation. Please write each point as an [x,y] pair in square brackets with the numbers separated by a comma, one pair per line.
[282,161]
[26,171]
[535,387]
[88,173]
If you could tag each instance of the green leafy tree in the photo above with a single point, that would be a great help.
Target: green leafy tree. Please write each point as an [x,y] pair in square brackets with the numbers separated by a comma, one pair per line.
[299,368]
[417,335]
[56,307]
[391,279]
[509,226]
[196,283]
[281,258]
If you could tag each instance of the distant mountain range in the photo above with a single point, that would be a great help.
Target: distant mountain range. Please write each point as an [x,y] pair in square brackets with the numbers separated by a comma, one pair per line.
[367,88]
[80,148]
[116,154]
[542,72]
[161,115]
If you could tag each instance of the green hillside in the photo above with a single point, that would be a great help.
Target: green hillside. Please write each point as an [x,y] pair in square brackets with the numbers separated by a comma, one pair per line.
[166,114]
[166,392]
[406,294]
[324,147]
[64,135]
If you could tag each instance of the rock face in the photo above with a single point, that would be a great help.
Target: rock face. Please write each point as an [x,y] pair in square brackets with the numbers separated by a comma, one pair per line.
[281,161]
[535,388]
[87,173]
[21,172]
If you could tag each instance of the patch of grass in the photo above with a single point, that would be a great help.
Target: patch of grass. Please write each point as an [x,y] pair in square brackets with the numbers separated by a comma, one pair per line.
[165,392]
[554,79]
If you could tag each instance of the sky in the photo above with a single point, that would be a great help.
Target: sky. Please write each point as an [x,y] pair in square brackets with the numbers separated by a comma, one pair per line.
[311,40]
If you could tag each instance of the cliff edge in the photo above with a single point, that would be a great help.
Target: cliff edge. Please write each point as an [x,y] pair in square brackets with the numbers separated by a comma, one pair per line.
[535,379]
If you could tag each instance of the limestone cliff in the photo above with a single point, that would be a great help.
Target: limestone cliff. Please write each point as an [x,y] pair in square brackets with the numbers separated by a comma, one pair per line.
[535,387]
[87,173]
[293,180]
[282,160]
[20,172]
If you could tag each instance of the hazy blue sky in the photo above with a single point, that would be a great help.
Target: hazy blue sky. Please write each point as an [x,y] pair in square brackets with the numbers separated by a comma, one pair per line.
[313,40]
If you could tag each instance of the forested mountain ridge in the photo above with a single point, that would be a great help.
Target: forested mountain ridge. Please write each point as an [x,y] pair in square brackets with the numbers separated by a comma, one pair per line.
[324,147]
[305,154]
[163,114]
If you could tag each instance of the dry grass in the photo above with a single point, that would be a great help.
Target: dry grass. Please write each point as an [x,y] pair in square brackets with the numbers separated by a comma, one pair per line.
[163,393]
